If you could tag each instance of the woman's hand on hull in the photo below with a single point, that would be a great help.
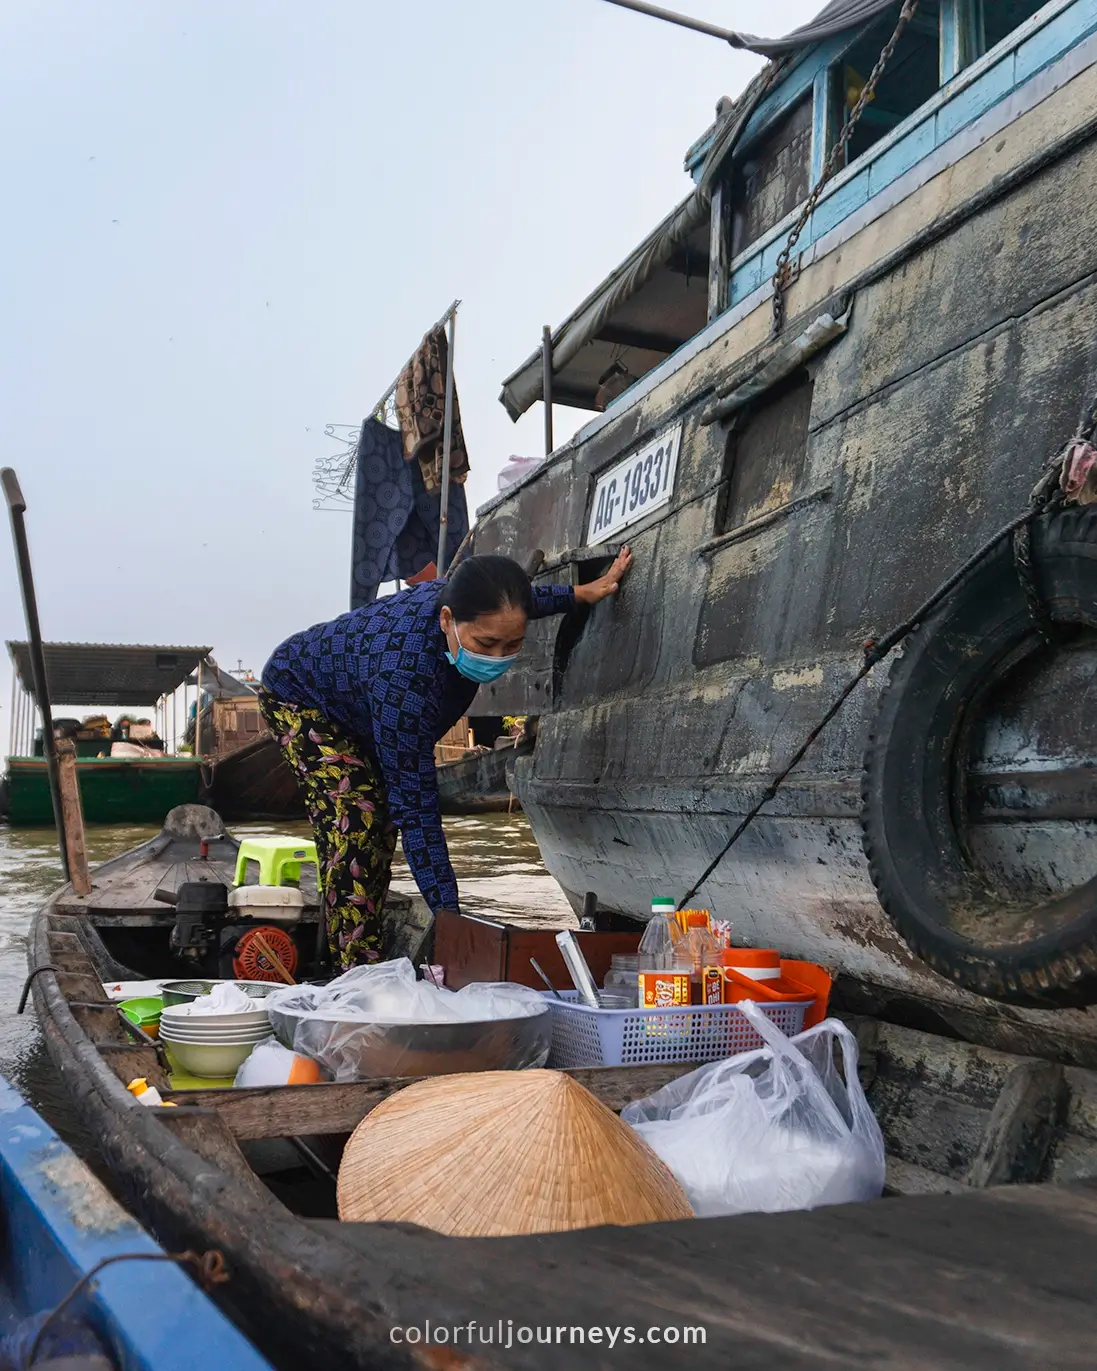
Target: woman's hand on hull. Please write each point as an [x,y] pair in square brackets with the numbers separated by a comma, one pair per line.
[594,591]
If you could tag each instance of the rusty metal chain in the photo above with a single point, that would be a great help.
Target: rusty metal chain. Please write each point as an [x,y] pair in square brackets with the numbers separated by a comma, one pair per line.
[782,276]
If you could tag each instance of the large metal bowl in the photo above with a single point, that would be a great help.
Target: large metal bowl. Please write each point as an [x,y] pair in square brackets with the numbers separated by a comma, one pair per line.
[185,992]
[354,1050]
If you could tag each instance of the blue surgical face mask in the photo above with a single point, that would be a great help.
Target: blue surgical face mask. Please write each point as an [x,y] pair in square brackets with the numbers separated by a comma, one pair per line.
[475,666]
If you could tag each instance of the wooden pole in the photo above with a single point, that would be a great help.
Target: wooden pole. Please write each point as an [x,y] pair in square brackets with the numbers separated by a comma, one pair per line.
[76,849]
[198,714]
[17,507]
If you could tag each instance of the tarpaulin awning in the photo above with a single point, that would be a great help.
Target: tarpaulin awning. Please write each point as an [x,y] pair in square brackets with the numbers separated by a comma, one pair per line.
[657,299]
[107,673]
[834,18]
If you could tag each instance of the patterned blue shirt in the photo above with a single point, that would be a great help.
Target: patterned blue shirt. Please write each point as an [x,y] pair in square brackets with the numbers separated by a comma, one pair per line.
[381,672]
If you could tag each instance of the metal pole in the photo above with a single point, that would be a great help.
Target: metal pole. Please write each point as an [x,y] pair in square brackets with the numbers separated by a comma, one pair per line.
[11,716]
[737,40]
[447,442]
[546,384]
[18,506]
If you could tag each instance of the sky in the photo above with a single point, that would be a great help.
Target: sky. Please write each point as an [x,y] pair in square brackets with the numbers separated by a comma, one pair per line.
[227,223]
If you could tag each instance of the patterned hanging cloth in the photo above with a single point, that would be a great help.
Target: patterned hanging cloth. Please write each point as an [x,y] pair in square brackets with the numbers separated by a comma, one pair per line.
[395,530]
[421,410]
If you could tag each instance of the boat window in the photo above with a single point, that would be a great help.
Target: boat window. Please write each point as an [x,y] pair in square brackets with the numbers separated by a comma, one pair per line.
[1001,17]
[910,79]
[774,178]
[766,454]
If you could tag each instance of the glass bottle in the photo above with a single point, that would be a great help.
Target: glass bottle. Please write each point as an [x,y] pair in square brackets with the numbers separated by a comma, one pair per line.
[620,989]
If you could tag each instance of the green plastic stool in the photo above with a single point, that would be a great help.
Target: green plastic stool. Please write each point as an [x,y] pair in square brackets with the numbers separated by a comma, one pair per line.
[280,859]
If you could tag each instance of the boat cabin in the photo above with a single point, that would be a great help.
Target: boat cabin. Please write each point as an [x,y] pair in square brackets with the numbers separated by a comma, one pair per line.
[702,267]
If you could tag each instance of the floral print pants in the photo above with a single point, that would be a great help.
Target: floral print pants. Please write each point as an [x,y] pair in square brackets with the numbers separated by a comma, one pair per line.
[355,840]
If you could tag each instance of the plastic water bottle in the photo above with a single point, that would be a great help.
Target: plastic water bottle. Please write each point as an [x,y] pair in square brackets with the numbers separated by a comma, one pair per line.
[661,937]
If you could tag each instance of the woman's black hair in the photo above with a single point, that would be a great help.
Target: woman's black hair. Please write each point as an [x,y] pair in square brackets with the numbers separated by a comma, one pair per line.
[482,585]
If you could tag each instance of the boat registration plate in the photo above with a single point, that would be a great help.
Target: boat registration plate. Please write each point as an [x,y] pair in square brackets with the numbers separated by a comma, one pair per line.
[634,486]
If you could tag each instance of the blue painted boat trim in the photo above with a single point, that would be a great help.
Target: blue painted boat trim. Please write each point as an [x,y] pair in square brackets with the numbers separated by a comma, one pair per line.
[1033,46]
[60,1221]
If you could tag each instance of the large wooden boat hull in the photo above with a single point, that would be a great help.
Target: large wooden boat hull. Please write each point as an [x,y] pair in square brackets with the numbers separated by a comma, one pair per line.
[113,790]
[963,365]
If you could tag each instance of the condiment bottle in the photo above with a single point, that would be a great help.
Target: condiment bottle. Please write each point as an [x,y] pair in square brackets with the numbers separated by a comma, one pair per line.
[662,982]
[148,1094]
[702,949]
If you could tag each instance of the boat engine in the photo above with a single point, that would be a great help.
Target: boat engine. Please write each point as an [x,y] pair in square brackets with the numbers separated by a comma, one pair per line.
[201,909]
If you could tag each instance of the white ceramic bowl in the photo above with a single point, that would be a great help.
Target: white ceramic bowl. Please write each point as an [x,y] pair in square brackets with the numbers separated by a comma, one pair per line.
[210,1059]
[248,1036]
[243,1021]
[247,1020]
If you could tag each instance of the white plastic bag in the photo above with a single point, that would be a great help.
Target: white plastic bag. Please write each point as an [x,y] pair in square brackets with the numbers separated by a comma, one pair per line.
[777,1128]
[269,1064]
[389,992]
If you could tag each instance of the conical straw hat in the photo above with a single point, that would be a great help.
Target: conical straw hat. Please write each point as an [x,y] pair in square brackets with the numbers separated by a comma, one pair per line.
[496,1153]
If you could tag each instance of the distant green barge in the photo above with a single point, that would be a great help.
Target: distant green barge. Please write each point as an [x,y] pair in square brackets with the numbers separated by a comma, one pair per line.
[137,788]
[113,790]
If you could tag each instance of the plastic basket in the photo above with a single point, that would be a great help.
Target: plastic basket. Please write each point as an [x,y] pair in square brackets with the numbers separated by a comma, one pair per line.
[640,1037]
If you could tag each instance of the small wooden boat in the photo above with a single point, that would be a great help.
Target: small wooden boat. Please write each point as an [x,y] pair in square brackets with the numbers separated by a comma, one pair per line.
[477,782]
[253,782]
[60,1227]
[249,1173]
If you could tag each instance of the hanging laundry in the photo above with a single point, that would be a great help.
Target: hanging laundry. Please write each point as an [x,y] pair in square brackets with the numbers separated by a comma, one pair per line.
[421,410]
[395,531]
[417,543]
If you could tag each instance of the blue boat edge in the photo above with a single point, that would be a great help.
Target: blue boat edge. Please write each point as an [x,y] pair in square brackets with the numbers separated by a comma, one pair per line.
[60,1222]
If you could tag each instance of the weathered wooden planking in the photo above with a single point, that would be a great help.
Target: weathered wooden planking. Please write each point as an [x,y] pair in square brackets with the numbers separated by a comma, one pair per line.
[205,1133]
[292,1110]
[987,1281]
[129,1062]
[1022,1125]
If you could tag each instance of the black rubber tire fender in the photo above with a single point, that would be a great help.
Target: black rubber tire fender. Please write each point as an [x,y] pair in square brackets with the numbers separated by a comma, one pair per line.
[913,842]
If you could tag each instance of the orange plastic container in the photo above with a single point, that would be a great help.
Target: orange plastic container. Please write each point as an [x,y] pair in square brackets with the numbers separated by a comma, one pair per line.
[797,981]
[820,981]
[753,963]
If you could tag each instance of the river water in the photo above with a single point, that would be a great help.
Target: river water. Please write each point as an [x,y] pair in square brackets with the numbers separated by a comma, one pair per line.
[495,856]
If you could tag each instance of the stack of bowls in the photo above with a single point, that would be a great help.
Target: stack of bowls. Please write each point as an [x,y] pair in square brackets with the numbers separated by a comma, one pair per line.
[212,1045]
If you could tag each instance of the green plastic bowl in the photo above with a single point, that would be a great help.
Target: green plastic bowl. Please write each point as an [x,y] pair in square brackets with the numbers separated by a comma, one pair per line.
[144,1013]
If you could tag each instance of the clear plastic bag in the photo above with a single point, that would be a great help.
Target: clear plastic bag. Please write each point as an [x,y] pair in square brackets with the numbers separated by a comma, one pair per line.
[381,1021]
[774,1129]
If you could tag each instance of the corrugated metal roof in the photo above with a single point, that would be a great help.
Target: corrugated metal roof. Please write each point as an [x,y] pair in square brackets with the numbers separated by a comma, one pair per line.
[107,673]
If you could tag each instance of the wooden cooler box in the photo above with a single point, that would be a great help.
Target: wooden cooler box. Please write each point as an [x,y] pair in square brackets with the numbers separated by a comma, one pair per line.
[475,949]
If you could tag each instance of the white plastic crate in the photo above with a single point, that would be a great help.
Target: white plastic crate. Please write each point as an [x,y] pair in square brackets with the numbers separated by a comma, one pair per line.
[639,1037]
